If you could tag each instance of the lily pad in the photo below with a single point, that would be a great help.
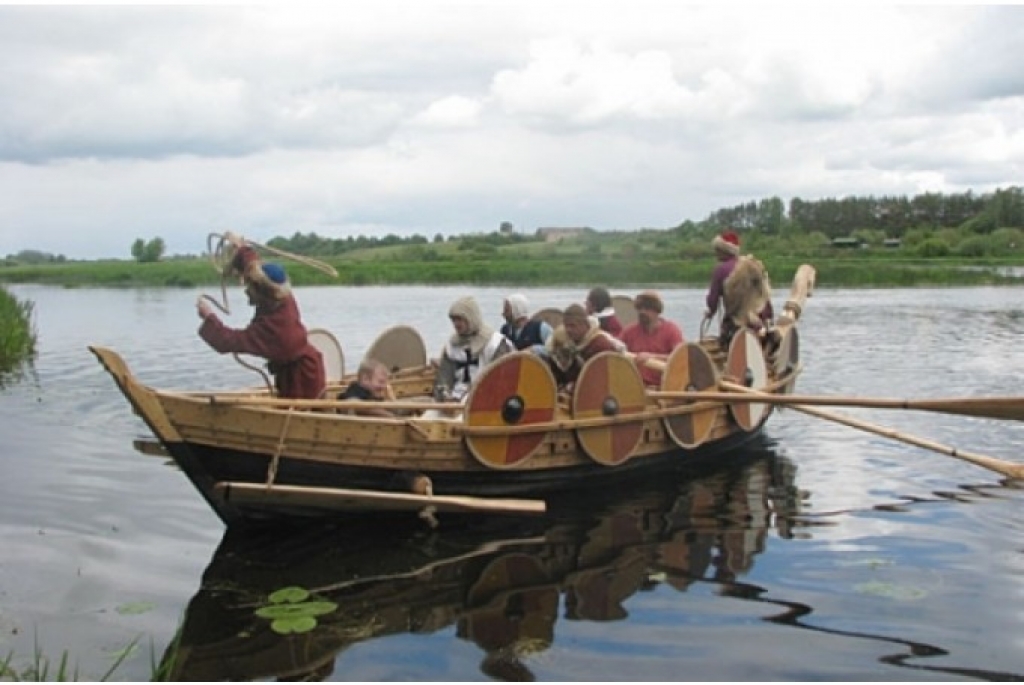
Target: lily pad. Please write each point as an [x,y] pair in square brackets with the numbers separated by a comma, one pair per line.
[903,593]
[298,624]
[276,611]
[132,608]
[292,593]
[289,612]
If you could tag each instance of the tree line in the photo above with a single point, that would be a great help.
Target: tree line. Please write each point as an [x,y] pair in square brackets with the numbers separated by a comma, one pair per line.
[914,219]
[893,215]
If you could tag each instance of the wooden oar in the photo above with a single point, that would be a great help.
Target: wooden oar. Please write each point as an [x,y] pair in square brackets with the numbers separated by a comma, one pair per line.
[983,407]
[328,404]
[352,499]
[1006,468]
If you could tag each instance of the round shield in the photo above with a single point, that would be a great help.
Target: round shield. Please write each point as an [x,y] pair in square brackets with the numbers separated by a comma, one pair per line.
[508,572]
[690,368]
[745,365]
[399,347]
[330,349]
[514,601]
[624,308]
[552,315]
[515,390]
[609,385]
[787,358]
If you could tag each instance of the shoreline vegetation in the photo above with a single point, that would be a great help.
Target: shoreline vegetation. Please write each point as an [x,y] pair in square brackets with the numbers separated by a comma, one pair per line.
[545,264]
[17,334]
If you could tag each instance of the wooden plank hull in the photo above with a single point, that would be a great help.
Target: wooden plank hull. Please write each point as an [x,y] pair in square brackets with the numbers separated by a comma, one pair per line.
[215,444]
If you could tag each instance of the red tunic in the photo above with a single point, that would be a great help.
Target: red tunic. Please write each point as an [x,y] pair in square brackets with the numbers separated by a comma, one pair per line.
[275,333]
[665,337]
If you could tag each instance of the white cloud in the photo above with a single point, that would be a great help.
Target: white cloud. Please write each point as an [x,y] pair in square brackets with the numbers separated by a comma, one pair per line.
[453,111]
[423,117]
[589,85]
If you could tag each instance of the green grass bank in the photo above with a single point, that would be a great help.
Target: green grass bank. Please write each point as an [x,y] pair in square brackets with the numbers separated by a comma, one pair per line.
[557,266]
[17,333]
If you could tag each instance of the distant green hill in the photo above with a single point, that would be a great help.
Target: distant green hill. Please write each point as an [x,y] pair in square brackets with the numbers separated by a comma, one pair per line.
[615,261]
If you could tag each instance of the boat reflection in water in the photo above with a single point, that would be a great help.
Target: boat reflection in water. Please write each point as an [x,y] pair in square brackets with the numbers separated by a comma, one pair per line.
[501,583]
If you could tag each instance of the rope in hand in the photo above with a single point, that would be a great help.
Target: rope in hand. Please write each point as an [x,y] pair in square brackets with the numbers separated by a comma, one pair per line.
[221,256]
[223,252]
[308,261]
[219,262]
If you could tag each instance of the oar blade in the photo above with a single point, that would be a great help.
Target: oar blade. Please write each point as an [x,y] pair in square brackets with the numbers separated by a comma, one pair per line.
[1011,408]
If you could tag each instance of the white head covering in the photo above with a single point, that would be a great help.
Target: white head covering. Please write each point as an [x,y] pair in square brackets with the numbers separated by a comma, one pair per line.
[518,305]
[479,333]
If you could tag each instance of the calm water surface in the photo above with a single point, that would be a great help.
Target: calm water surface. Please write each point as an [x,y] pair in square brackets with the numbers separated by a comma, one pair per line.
[824,554]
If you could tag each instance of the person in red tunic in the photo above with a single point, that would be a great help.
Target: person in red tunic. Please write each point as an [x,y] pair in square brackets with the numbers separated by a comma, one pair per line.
[275,333]
[651,337]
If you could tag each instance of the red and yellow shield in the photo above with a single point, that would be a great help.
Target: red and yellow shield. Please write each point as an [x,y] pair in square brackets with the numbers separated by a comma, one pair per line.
[609,387]
[689,369]
[515,390]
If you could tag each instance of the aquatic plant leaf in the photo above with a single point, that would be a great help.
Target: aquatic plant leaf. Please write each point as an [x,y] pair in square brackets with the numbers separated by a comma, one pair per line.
[298,624]
[292,593]
[286,611]
[319,608]
[122,652]
[290,613]
[891,591]
[870,563]
[132,608]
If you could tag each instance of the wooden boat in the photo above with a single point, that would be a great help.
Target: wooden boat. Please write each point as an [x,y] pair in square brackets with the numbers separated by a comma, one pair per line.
[513,442]
[289,606]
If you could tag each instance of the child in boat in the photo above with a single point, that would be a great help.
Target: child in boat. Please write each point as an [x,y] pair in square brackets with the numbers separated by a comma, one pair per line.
[371,384]
[275,333]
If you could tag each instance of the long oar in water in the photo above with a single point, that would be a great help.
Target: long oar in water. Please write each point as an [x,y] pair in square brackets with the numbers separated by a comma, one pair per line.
[1006,468]
[982,407]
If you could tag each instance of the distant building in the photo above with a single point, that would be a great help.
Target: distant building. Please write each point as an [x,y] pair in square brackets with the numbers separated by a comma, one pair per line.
[553,235]
[892,242]
[847,242]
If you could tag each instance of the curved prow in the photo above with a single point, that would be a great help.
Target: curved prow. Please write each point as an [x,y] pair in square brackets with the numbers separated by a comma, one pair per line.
[802,288]
[115,366]
[143,399]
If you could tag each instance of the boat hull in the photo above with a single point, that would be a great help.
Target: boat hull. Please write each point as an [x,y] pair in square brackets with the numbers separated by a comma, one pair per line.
[208,467]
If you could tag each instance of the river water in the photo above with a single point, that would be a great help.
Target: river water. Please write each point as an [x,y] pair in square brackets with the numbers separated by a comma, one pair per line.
[826,553]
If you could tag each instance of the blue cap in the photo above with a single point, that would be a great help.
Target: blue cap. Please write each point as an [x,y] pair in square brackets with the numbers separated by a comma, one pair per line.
[275,272]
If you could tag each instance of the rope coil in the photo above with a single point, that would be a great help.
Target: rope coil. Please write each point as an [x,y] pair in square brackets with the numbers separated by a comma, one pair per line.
[221,256]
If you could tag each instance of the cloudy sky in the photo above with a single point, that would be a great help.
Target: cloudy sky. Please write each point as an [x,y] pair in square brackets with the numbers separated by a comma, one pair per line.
[428,117]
